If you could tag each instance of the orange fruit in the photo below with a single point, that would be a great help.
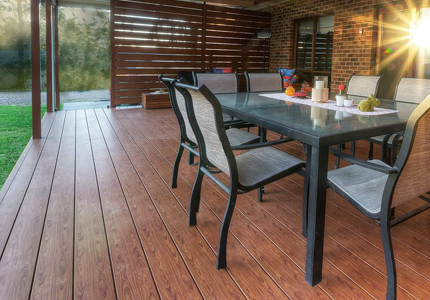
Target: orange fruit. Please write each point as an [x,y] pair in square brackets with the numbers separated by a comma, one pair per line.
[290,91]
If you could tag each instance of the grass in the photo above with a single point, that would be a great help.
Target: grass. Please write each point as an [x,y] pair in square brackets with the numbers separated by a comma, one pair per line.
[15,132]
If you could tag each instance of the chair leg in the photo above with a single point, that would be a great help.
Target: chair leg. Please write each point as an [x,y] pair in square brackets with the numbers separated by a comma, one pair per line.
[263,134]
[260,194]
[222,245]
[395,145]
[337,163]
[195,198]
[176,166]
[393,213]
[343,146]
[370,156]
[353,149]
[191,156]
[389,259]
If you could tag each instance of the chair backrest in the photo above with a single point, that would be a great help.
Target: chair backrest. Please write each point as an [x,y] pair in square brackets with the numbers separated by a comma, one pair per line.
[179,107]
[412,90]
[413,162]
[363,85]
[218,82]
[205,113]
[263,82]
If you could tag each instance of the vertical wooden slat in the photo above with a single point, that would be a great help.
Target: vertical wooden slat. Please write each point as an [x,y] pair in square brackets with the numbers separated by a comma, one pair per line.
[49,55]
[56,59]
[35,70]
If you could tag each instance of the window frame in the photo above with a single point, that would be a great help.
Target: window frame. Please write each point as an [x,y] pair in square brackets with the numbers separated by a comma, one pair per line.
[312,70]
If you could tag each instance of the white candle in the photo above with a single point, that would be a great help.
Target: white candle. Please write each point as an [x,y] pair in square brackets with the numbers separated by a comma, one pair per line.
[319,85]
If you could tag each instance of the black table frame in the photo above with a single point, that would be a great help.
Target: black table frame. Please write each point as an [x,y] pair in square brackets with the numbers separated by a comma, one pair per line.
[318,152]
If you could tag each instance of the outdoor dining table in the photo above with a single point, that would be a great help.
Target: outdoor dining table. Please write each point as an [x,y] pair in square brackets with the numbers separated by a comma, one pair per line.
[318,129]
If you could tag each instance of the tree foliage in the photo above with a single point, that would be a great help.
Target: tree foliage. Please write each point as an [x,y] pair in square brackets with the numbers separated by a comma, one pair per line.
[84,45]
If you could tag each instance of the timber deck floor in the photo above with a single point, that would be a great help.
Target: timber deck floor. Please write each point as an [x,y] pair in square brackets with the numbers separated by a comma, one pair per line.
[88,213]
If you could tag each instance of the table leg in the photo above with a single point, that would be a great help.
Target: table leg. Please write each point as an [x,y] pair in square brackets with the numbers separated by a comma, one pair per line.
[316,215]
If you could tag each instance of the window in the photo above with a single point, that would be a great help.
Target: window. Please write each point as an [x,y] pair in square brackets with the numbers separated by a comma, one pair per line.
[314,47]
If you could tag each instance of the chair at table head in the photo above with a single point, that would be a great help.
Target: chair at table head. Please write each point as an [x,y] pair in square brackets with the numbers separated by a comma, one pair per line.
[178,105]
[206,119]
[218,82]
[363,85]
[412,90]
[263,82]
[413,161]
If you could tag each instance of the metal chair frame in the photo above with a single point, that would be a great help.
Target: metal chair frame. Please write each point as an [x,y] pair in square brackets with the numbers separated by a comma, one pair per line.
[395,144]
[197,83]
[235,187]
[337,163]
[385,215]
[185,142]
[248,81]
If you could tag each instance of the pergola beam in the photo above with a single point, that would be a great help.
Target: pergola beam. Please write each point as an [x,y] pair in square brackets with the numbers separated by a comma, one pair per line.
[243,3]
[263,4]
[35,70]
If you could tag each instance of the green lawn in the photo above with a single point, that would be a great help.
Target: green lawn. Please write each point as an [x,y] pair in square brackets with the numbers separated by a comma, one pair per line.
[15,132]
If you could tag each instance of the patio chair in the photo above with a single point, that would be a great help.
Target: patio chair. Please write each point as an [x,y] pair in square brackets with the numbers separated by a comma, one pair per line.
[263,82]
[248,171]
[218,83]
[188,140]
[412,90]
[374,188]
[361,86]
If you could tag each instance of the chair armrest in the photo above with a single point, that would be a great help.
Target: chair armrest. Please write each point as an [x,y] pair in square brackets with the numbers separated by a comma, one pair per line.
[261,145]
[362,163]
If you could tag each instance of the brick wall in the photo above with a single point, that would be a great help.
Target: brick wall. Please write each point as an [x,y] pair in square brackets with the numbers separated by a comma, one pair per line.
[352,52]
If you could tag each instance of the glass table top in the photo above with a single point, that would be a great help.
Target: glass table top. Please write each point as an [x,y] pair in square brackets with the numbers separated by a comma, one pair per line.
[316,122]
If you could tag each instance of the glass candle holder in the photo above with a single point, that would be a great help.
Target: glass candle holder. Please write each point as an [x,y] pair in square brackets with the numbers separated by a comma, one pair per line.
[320,82]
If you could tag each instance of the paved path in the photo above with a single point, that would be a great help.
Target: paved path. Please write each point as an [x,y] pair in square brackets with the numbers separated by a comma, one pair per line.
[22,98]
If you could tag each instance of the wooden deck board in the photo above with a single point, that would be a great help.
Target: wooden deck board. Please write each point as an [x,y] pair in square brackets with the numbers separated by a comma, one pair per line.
[56,249]
[15,191]
[17,265]
[93,277]
[88,213]
[133,278]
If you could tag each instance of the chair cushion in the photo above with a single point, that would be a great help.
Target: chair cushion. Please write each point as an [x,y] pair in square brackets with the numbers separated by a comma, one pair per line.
[238,137]
[260,164]
[363,186]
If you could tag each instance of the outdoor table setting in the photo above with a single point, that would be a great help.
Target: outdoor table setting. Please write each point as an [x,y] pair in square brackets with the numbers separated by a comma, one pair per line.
[318,126]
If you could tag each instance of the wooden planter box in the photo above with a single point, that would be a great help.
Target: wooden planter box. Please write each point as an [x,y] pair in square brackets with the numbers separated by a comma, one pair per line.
[151,101]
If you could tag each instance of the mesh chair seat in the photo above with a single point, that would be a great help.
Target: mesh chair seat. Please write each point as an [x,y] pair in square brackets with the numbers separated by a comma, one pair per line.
[261,164]
[361,185]
[240,137]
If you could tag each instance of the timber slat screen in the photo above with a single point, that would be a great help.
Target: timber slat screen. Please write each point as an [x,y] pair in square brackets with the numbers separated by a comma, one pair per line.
[153,37]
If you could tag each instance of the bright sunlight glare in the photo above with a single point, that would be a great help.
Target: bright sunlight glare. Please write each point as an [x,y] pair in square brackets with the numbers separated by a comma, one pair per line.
[420,34]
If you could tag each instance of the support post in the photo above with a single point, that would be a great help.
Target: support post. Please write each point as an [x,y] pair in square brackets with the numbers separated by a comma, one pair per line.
[49,104]
[56,59]
[35,70]
[112,56]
